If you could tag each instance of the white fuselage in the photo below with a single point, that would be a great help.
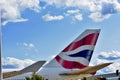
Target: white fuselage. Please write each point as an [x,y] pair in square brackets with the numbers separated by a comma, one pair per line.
[54,74]
[49,73]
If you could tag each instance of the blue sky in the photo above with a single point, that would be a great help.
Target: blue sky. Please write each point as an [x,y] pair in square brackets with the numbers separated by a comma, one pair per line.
[35,30]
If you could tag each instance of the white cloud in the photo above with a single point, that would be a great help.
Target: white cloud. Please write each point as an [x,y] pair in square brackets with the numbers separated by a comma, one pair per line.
[11,10]
[106,57]
[15,20]
[79,17]
[109,69]
[26,45]
[73,11]
[76,15]
[29,45]
[48,17]
[98,9]
[17,62]
[109,55]
[70,3]
[97,16]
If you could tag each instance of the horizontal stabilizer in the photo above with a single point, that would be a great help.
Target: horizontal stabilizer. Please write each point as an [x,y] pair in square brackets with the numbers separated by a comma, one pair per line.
[87,70]
[32,68]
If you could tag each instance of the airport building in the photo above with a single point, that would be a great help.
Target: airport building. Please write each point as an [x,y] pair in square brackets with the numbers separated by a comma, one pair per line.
[110,76]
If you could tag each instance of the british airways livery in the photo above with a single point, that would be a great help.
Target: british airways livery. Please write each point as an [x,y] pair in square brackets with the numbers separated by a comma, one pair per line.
[72,63]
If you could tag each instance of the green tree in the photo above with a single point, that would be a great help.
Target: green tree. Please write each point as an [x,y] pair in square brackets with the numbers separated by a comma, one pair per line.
[28,78]
[35,77]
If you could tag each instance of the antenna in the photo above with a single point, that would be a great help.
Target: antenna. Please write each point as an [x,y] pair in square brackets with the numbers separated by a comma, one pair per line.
[0,44]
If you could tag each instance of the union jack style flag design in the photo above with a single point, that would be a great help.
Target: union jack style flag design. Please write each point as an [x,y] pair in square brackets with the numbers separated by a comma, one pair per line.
[78,54]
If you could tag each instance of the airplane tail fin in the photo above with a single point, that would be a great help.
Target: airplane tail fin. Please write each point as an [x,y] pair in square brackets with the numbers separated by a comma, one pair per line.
[32,68]
[77,55]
